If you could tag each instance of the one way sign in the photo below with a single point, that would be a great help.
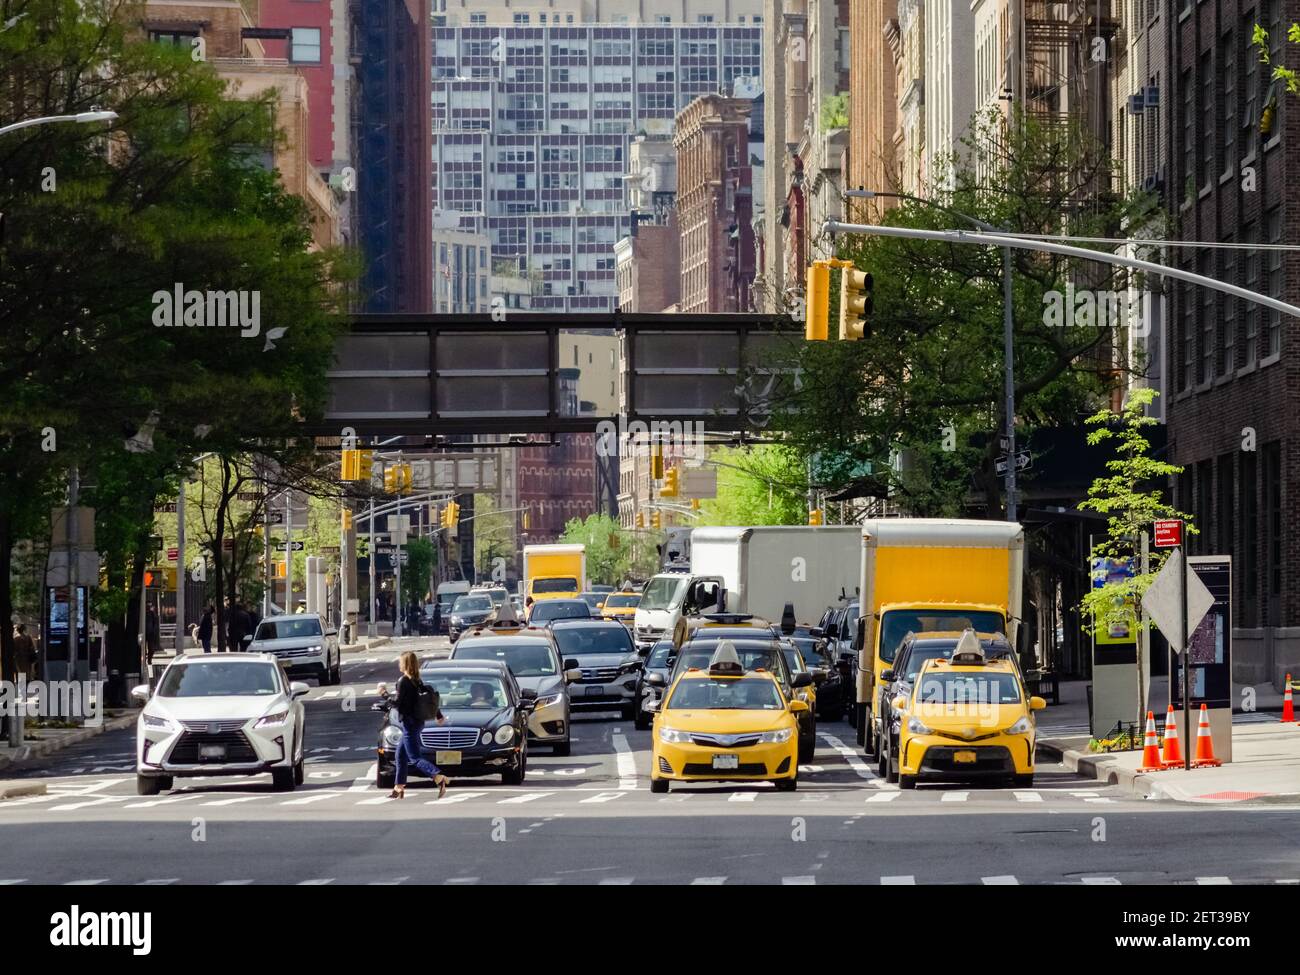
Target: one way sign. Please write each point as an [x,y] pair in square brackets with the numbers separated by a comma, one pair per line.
[1023,460]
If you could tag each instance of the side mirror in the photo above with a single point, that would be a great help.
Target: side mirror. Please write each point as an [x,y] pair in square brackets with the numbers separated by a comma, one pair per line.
[886,676]
[571,664]
[656,680]
[802,679]
[650,706]
[528,694]
[817,631]
[819,675]
[798,707]
[1037,703]
[140,693]
[298,689]
[573,674]
[643,651]
[898,703]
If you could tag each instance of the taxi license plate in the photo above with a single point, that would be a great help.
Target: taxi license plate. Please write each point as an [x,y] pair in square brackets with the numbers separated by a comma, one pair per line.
[596,691]
[446,758]
[965,757]
[726,761]
[212,751]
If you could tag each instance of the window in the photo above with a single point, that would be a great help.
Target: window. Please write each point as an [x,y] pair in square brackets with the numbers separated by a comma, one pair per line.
[706,18]
[1189,137]
[1249,59]
[1187,360]
[1227,516]
[478,18]
[521,20]
[1252,309]
[179,38]
[1206,269]
[1273,339]
[304,45]
[1207,119]
[1273,518]
[1249,508]
[1228,109]
[1228,335]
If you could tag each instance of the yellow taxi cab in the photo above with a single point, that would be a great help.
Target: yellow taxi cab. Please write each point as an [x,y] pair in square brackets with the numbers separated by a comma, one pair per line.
[967,717]
[689,627]
[621,606]
[725,724]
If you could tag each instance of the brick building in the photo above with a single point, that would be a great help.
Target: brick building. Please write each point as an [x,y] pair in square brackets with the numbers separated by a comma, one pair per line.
[647,267]
[715,204]
[1234,368]
[873,105]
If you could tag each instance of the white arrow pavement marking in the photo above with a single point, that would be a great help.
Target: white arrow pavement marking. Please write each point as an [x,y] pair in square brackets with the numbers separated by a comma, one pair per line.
[228,802]
[905,880]
[626,763]
[1027,797]
[604,797]
[455,797]
[526,797]
[1002,880]
[160,802]
[805,881]
[312,798]
[366,782]
[855,761]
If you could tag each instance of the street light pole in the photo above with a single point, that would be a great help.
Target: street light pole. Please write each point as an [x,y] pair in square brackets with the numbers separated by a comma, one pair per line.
[79,117]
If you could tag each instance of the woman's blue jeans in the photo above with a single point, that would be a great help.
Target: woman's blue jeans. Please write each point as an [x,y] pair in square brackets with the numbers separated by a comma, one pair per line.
[408,755]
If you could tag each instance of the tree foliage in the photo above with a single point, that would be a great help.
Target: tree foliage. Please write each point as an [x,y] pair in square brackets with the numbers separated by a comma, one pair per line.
[610,556]
[765,484]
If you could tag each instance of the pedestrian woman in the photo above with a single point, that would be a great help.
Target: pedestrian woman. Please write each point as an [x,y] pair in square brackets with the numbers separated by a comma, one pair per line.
[205,628]
[410,711]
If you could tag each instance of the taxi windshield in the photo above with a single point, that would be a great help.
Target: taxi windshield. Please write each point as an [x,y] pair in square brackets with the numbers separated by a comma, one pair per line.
[969,688]
[726,694]
[622,599]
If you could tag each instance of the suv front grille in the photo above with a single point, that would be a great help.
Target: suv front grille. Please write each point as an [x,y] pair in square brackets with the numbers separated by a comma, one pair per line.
[449,737]
[209,727]
[186,751]
[598,675]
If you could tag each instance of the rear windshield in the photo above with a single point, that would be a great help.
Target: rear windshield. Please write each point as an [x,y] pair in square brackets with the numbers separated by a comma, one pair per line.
[559,609]
[281,629]
[620,599]
[531,659]
[897,623]
[555,585]
[472,604]
[578,641]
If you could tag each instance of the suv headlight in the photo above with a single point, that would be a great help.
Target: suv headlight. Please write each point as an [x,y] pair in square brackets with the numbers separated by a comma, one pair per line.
[547,700]
[162,724]
[779,737]
[673,736]
[1021,727]
[392,737]
[917,727]
[316,649]
[504,734]
[272,719]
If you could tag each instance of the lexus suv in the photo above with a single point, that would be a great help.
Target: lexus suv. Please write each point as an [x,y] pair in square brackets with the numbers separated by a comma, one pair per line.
[220,714]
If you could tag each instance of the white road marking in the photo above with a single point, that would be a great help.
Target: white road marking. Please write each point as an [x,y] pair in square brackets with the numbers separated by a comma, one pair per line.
[1083,795]
[312,798]
[317,882]
[1002,880]
[86,883]
[853,758]
[68,807]
[883,797]
[905,880]
[742,797]
[805,881]
[1100,881]
[160,802]
[454,797]
[229,802]
[526,797]
[954,797]
[708,881]
[1102,799]
[1027,797]
[395,882]
[22,880]
[462,880]
[616,882]
[604,797]
[233,883]
[366,782]
[625,762]
[1212,881]
[159,882]
[329,695]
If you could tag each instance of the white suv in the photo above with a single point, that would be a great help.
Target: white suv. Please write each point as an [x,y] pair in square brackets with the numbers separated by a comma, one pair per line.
[302,643]
[220,714]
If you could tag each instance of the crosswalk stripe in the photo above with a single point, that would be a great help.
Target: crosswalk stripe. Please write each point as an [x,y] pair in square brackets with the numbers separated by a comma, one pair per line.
[454,797]
[806,880]
[1027,797]
[303,800]
[70,806]
[616,882]
[1100,881]
[366,782]
[376,801]
[1099,799]
[1212,881]
[742,797]
[708,881]
[955,797]
[159,802]
[329,695]
[159,882]
[526,797]
[228,802]
[10,882]
[625,762]
[395,882]
[854,760]
[1002,880]
[86,883]
[604,797]
[903,880]
[317,882]
[883,797]
[233,883]
[461,880]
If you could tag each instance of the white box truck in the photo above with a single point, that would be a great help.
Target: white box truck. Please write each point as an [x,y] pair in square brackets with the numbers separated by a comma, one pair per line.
[759,569]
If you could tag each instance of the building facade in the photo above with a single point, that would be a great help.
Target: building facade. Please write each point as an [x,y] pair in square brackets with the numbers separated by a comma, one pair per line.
[906,39]
[873,105]
[462,279]
[949,75]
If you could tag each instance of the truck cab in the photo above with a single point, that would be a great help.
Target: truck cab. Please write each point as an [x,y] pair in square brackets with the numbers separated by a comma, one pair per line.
[669,597]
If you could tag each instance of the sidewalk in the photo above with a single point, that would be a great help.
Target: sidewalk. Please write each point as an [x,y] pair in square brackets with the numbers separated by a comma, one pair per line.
[50,740]
[1070,717]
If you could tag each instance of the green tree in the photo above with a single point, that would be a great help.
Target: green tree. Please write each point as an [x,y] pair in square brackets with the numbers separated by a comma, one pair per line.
[609,547]
[914,409]
[1132,498]
[415,573]
[759,485]
[1281,72]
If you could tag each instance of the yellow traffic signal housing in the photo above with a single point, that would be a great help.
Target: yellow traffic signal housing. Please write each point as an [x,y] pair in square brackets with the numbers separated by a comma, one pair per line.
[365,464]
[855,302]
[815,516]
[817,302]
[404,479]
[695,504]
[390,480]
[525,521]
[347,519]
[640,520]
[657,464]
[348,465]
[672,483]
[281,570]
[656,521]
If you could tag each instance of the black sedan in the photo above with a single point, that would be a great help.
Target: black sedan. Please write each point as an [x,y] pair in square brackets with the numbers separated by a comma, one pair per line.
[659,661]
[486,729]
[545,610]
[827,675]
[468,611]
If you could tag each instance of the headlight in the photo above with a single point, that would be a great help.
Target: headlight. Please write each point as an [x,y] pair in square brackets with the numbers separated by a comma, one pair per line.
[455,621]
[391,736]
[548,700]
[673,736]
[915,726]
[504,734]
[153,722]
[316,649]
[272,719]
[487,737]
[629,666]
[1021,727]
[778,737]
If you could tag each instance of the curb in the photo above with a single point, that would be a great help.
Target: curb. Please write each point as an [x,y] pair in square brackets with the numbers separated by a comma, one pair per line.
[1102,769]
[15,790]
[378,641]
[39,749]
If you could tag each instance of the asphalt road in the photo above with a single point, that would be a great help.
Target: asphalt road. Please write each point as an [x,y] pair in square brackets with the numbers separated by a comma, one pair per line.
[590,818]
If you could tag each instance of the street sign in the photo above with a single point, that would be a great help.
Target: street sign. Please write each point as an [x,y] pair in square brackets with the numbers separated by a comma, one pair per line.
[173,554]
[227,544]
[275,517]
[294,546]
[1004,444]
[403,556]
[1162,598]
[1168,533]
[250,496]
[1023,460]
[165,509]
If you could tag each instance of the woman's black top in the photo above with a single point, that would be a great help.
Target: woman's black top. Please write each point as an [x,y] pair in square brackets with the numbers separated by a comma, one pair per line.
[408,700]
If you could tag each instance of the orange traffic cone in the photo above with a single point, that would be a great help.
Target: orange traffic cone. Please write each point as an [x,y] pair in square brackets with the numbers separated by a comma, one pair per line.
[1173,757]
[1151,749]
[1288,709]
[1204,743]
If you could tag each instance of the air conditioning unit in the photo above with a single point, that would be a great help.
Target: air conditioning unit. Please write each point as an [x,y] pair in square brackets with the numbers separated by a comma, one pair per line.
[1151,96]
[1136,103]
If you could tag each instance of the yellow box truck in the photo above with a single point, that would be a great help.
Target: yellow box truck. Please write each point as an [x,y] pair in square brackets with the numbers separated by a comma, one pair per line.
[930,574]
[554,571]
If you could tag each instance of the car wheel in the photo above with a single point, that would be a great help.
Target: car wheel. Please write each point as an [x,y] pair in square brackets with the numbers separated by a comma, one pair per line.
[299,771]
[282,779]
[861,723]
[787,785]
[563,748]
[515,776]
[882,764]
[891,766]
[336,675]
[147,785]
[627,712]
[658,786]
[853,715]
[642,721]
[1023,781]
[906,781]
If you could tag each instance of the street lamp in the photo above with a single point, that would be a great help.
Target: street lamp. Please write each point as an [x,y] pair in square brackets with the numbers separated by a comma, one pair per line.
[81,118]
[1008,371]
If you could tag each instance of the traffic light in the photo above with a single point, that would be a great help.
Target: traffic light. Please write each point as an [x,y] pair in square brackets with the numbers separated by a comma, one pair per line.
[347,519]
[281,569]
[405,479]
[656,520]
[695,504]
[349,465]
[855,302]
[657,463]
[365,464]
[817,302]
[525,521]
[815,516]
[640,520]
[455,514]
[390,480]
[672,483]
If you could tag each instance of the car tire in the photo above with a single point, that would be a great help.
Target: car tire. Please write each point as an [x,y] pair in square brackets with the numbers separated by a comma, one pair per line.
[336,674]
[147,785]
[282,779]
[627,712]
[852,715]
[882,765]
[563,748]
[787,785]
[891,768]
[516,776]
[863,724]
[1023,781]
[642,721]
[658,786]
[299,771]
[906,781]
